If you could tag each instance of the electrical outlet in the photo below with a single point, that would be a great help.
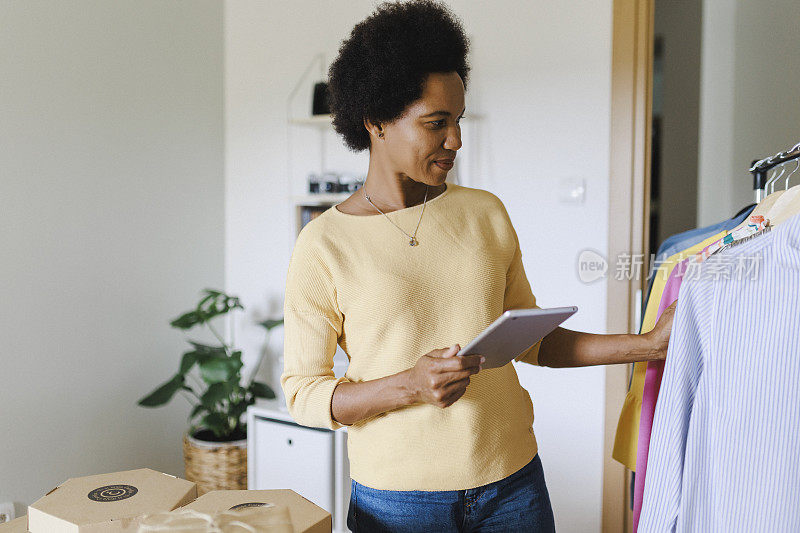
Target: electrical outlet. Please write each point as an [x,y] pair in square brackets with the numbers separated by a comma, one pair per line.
[6,512]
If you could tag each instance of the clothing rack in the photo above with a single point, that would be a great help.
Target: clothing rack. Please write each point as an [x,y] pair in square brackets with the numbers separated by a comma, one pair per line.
[759,168]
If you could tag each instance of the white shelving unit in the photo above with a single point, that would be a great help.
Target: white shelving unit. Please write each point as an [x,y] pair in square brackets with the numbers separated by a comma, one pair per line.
[323,124]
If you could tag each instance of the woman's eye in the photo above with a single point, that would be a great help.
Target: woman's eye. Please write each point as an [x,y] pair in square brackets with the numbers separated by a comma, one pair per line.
[440,123]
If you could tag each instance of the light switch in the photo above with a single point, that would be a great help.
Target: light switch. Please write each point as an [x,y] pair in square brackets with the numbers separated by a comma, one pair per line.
[571,190]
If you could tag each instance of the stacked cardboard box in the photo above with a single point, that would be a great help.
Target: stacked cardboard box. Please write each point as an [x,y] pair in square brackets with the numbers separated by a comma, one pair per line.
[306,517]
[108,502]
[119,501]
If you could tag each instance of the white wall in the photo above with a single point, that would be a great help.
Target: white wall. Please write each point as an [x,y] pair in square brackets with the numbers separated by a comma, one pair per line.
[715,161]
[541,83]
[111,222]
[679,24]
[749,106]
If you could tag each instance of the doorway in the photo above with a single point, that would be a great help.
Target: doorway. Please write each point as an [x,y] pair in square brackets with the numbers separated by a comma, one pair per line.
[700,89]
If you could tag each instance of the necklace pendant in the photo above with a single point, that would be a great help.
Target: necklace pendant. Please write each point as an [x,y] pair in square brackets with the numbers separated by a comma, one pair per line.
[413,241]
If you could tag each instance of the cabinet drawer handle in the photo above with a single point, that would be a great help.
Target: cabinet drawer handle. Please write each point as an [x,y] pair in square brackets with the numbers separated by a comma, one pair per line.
[290,442]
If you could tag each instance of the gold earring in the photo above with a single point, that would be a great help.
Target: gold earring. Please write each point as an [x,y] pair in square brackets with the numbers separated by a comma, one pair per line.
[380,134]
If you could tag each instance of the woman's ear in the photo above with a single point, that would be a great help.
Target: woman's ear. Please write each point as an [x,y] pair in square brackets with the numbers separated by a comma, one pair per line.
[374,129]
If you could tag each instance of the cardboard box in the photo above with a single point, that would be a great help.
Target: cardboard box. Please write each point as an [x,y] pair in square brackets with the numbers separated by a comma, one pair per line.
[108,502]
[306,516]
[18,525]
[265,518]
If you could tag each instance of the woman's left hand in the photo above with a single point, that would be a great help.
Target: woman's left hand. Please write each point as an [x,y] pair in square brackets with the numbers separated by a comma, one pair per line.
[659,336]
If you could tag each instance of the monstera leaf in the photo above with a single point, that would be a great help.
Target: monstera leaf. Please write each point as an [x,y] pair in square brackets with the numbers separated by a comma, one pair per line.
[210,376]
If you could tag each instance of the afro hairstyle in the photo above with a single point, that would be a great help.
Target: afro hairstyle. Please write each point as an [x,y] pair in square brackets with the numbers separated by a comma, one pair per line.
[381,68]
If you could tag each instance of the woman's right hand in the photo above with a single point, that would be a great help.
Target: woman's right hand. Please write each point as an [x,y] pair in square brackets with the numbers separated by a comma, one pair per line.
[440,377]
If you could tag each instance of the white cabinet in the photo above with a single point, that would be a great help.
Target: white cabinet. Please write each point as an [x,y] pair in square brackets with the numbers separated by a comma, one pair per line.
[292,457]
[282,454]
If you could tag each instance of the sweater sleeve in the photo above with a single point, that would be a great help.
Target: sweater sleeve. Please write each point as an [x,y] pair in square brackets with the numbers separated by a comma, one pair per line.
[518,294]
[312,326]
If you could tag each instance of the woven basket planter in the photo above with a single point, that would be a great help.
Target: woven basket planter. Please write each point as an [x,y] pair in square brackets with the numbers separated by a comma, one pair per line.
[215,465]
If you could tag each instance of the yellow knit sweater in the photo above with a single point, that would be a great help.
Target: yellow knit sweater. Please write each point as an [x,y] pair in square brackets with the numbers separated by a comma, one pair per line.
[356,281]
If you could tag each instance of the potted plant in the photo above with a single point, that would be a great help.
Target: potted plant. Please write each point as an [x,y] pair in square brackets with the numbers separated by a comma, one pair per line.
[210,378]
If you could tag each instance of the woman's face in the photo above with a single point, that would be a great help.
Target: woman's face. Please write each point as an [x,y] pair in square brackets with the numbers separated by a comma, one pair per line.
[422,143]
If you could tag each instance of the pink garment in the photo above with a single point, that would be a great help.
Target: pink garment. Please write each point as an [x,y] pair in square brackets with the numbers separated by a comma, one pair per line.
[652,384]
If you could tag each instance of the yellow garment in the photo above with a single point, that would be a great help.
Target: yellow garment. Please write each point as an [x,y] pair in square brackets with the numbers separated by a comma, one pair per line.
[354,280]
[627,438]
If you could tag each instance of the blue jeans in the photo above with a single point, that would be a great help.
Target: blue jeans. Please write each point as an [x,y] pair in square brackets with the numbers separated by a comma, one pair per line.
[517,503]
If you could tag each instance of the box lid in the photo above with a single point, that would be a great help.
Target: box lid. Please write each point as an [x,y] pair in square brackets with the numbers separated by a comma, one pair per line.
[110,497]
[307,517]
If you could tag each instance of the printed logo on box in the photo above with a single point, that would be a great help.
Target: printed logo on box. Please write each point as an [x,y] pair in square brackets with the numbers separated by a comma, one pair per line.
[112,493]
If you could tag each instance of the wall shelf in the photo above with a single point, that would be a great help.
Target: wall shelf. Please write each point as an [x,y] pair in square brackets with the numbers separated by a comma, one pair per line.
[322,121]
[320,199]
[319,121]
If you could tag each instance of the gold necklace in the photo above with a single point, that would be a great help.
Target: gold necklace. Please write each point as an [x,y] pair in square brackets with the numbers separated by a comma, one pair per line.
[413,238]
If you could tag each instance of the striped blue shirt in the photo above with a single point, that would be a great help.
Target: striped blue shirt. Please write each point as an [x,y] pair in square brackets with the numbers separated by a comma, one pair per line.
[725,447]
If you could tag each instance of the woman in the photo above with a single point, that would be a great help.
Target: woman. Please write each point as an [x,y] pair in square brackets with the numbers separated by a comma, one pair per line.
[404,266]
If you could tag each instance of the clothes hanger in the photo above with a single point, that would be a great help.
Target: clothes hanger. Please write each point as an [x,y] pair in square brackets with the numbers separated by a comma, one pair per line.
[786,181]
[771,182]
[740,234]
[788,204]
[782,203]
[765,205]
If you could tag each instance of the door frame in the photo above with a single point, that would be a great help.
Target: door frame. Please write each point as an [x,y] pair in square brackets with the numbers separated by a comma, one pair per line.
[628,219]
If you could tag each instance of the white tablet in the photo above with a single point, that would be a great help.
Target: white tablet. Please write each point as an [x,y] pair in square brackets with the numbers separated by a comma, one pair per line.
[513,332]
